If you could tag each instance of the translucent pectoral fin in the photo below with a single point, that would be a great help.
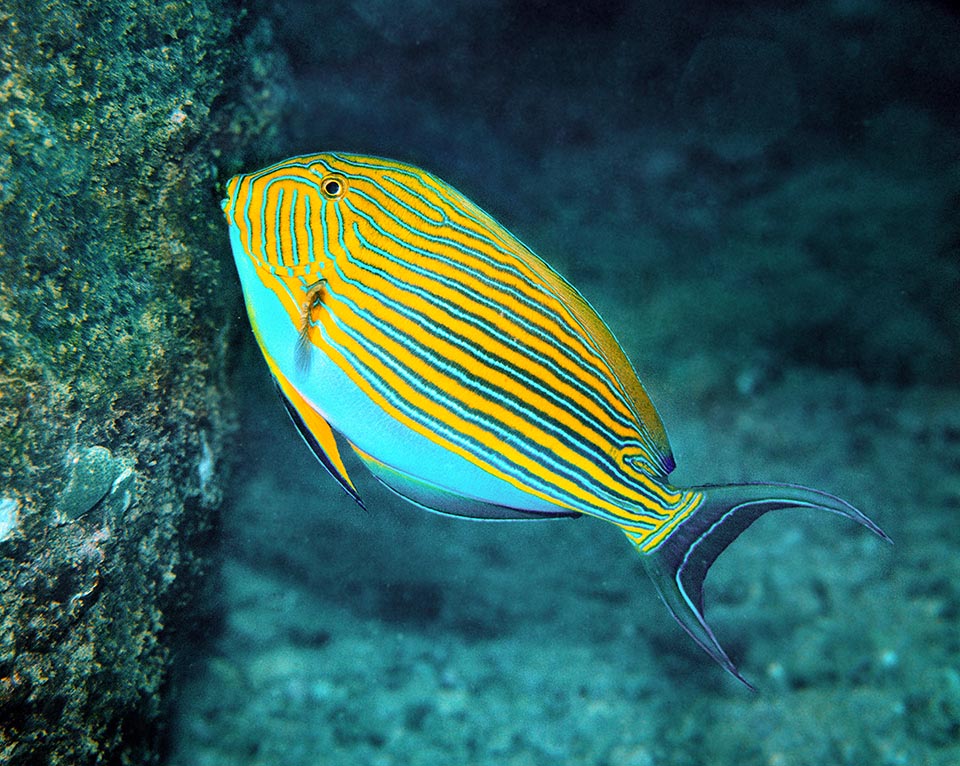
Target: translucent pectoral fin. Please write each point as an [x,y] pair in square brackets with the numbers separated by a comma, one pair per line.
[679,564]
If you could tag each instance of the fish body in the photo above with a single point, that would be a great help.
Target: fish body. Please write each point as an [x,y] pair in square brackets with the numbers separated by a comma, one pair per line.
[401,321]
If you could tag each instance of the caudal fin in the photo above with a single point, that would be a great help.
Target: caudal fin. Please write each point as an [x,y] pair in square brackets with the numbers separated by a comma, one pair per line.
[679,564]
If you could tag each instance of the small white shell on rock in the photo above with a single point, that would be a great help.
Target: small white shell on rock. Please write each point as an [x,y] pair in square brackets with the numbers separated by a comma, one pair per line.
[205,467]
[9,517]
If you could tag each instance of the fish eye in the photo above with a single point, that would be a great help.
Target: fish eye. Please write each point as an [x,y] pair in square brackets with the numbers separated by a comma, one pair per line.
[333,187]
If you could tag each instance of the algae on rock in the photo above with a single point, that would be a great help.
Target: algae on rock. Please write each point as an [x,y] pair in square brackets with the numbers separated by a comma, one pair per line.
[115,307]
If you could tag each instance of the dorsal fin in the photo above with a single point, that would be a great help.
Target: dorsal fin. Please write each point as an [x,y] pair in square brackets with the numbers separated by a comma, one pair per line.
[598,333]
[611,350]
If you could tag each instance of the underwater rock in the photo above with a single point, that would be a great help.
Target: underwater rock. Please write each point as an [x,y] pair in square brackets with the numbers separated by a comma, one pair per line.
[113,319]
[417,603]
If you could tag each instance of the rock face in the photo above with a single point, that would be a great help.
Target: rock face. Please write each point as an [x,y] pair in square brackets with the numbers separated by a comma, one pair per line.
[116,308]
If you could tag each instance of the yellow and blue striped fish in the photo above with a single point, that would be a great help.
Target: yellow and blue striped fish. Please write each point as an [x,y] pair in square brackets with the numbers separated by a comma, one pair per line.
[468,375]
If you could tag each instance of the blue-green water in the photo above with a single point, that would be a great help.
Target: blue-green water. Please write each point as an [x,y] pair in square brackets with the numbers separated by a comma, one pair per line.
[762,203]
[762,199]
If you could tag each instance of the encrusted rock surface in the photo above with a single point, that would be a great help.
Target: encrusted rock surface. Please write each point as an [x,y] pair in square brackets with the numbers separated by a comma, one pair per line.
[115,317]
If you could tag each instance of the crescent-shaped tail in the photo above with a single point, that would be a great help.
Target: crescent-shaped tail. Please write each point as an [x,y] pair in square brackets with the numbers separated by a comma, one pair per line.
[679,564]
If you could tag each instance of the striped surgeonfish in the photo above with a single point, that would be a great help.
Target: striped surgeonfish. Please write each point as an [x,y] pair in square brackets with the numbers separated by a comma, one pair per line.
[400,320]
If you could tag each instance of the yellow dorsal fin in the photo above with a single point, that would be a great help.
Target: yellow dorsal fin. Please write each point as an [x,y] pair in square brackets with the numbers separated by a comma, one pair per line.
[606,344]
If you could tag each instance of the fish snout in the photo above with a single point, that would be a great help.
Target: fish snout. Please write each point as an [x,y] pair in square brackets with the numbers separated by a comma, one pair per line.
[228,203]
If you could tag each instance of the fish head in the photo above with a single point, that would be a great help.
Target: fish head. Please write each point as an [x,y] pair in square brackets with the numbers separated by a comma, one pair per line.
[279,216]
[294,217]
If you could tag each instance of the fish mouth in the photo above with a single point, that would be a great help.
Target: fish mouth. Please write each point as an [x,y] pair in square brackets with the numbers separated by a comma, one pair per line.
[226,204]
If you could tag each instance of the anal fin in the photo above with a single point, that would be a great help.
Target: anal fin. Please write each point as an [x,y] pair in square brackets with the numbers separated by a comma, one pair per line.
[432,497]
